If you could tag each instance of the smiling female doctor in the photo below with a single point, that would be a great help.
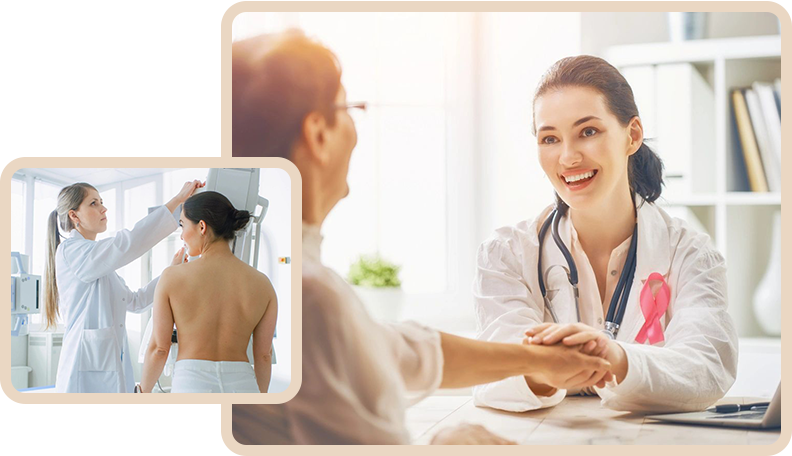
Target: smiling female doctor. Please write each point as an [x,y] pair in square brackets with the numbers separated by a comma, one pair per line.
[82,283]
[645,277]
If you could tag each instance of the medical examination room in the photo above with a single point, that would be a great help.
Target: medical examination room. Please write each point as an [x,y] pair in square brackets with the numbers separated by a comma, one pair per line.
[599,184]
[151,280]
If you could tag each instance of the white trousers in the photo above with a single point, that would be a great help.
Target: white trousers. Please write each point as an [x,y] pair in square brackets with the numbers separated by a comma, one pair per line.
[202,376]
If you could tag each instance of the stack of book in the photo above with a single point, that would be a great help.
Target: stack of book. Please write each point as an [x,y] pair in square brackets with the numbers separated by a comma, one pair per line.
[756,112]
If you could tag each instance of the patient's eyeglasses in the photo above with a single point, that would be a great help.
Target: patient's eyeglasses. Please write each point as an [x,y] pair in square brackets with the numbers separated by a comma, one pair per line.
[360,105]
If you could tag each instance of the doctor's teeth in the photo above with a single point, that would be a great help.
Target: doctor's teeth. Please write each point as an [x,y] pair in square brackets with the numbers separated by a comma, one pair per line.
[579,177]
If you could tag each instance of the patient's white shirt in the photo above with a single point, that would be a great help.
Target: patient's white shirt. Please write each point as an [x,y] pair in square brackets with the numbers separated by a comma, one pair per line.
[358,375]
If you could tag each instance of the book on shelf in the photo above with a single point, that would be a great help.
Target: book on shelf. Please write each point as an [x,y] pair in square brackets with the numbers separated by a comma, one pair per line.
[738,175]
[750,149]
[777,93]
[766,143]
[772,115]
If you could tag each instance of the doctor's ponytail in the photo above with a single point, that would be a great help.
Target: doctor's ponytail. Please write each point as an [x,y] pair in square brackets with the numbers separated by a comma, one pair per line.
[69,199]
[50,287]
[644,167]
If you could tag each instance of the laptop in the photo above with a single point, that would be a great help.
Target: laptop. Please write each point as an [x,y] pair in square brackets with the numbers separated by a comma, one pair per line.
[769,418]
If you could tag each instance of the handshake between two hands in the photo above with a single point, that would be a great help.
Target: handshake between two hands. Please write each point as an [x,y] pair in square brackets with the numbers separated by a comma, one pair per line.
[561,357]
[573,356]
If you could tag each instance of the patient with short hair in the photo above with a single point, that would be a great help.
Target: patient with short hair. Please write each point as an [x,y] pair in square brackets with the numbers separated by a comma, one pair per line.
[216,303]
[358,375]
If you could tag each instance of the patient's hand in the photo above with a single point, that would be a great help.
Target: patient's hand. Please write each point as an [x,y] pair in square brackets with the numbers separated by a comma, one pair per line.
[179,257]
[468,434]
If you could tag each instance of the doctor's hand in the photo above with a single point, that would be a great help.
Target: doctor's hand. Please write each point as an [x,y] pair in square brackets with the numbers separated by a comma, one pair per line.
[187,191]
[590,340]
[468,434]
[560,366]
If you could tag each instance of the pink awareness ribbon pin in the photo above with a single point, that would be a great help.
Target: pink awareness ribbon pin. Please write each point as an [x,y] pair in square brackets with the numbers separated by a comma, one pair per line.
[653,307]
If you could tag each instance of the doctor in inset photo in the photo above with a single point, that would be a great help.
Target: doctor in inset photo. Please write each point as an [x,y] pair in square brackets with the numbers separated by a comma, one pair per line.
[82,286]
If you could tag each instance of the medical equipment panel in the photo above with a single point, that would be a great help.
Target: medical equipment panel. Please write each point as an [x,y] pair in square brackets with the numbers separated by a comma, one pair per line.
[25,294]
[25,288]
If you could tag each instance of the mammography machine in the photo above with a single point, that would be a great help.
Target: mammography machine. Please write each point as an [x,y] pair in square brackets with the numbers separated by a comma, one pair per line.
[241,187]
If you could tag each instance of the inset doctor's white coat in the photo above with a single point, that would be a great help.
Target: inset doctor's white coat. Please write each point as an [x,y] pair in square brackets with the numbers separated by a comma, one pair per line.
[94,300]
[690,370]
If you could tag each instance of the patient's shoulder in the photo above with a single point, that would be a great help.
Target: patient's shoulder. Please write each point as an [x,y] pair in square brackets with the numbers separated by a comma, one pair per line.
[261,279]
[256,279]
[171,275]
[325,295]
[185,276]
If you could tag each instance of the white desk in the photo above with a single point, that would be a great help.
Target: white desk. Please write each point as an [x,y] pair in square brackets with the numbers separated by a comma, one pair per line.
[576,421]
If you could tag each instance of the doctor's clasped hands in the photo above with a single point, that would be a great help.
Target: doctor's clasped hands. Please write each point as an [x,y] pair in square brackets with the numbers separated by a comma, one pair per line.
[586,339]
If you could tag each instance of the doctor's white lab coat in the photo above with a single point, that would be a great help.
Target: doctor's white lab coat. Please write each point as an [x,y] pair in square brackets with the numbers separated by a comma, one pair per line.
[691,369]
[94,300]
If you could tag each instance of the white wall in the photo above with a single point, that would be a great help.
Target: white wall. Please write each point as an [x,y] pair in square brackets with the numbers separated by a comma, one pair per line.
[601,30]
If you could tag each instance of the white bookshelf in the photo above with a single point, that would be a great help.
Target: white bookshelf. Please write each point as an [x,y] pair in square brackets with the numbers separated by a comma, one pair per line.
[740,223]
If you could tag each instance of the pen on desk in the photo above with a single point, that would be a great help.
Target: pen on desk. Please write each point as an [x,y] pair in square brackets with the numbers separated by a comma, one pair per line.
[732,408]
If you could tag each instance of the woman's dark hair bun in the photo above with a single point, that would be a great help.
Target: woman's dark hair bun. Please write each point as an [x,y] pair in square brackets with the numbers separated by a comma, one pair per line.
[217,212]
[241,219]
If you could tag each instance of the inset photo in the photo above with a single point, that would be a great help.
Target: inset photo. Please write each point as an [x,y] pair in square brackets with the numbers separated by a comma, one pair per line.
[151,280]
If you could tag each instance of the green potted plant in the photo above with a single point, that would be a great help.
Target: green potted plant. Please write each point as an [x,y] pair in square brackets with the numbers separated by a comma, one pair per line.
[377,283]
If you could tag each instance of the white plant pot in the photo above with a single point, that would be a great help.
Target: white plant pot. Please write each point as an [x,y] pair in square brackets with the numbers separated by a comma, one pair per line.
[767,297]
[383,304]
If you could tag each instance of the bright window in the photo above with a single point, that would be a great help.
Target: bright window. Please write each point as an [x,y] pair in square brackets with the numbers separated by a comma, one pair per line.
[19,212]
[398,176]
[137,200]
[109,202]
[46,200]
[445,153]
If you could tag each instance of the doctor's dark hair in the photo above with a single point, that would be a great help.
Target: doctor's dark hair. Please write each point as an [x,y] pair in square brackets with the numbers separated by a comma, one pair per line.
[276,81]
[69,199]
[645,169]
[217,212]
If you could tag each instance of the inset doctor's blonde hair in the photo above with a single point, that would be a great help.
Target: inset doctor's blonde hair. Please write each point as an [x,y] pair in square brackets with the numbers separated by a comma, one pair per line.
[69,199]
[644,167]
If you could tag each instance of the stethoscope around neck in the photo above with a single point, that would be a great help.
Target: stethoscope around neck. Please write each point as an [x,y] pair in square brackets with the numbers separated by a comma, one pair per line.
[618,302]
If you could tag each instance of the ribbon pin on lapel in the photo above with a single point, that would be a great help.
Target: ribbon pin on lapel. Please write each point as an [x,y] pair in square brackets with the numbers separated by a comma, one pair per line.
[653,307]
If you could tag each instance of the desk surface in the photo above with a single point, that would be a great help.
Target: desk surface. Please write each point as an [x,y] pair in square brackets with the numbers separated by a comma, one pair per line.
[575,421]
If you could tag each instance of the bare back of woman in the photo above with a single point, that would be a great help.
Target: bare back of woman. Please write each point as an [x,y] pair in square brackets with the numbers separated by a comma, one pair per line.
[216,302]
